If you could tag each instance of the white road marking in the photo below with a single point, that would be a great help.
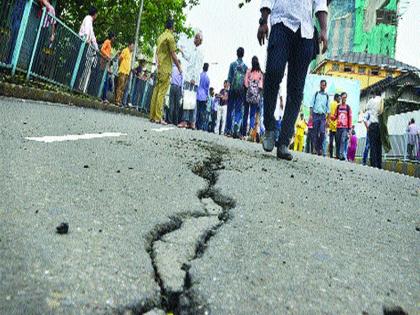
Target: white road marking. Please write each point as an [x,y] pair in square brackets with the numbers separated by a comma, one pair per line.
[163,129]
[87,136]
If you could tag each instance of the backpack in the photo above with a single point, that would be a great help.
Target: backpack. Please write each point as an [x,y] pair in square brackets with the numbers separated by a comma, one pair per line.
[239,77]
[253,94]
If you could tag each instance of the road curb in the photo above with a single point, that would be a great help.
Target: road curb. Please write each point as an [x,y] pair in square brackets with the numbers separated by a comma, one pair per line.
[398,166]
[31,93]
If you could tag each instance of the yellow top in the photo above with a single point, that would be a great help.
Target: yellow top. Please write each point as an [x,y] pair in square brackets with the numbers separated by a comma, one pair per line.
[301,128]
[125,62]
[333,123]
[165,46]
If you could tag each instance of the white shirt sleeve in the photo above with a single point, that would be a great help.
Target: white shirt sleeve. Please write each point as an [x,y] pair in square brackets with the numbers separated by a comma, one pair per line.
[320,5]
[267,4]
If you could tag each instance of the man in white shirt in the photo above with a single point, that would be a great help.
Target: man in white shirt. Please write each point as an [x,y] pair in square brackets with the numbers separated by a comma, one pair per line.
[291,41]
[86,29]
[193,61]
[413,133]
[87,33]
[374,107]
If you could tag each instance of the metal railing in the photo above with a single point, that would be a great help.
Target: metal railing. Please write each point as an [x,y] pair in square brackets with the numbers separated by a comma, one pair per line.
[34,42]
[401,147]
[43,47]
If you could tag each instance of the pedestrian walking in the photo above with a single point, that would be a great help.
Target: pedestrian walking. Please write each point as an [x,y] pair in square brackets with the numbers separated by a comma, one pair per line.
[222,109]
[209,109]
[319,109]
[192,59]
[374,108]
[166,56]
[202,95]
[332,124]
[175,96]
[147,95]
[214,109]
[236,78]
[291,42]
[123,72]
[106,51]
[300,133]
[309,147]
[413,133]
[343,115]
[137,87]
[254,82]
[366,151]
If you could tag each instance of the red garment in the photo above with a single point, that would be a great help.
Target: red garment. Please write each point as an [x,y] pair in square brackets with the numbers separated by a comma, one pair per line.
[343,116]
[310,123]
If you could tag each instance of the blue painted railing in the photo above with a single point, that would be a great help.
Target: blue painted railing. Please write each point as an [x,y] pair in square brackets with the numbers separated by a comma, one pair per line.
[27,45]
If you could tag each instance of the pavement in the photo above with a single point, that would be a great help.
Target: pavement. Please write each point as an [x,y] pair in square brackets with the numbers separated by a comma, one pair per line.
[165,220]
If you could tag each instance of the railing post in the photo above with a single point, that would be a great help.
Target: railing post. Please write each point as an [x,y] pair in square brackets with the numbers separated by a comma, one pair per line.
[21,35]
[405,144]
[77,65]
[41,23]
[101,87]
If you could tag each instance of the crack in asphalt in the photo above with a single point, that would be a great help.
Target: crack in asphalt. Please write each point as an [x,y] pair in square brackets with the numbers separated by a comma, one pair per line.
[183,301]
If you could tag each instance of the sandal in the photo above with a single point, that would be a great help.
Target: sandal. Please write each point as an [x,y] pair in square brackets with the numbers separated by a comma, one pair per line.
[183,125]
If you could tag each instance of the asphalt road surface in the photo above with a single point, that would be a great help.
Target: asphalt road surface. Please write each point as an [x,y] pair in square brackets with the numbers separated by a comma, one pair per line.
[166,220]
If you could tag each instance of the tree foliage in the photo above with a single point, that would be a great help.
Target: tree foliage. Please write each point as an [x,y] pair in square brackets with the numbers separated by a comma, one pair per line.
[242,3]
[120,16]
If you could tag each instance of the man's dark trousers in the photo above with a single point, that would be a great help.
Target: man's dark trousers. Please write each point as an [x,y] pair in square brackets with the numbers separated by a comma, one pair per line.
[375,143]
[366,151]
[175,95]
[201,115]
[284,47]
[234,111]
[319,131]
[309,142]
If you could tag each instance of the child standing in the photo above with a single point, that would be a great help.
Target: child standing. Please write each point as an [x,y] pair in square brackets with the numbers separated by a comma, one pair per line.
[351,152]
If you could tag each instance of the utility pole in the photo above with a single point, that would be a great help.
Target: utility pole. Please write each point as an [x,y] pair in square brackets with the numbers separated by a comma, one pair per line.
[136,48]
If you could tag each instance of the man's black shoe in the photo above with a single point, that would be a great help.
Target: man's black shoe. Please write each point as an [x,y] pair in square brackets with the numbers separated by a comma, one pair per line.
[269,141]
[283,153]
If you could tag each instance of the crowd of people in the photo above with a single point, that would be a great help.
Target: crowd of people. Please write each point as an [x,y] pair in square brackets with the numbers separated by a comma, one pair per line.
[237,110]
[329,127]
[248,106]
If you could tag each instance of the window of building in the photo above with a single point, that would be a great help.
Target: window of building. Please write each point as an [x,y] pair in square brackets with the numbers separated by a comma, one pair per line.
[362,70]
[348,69]
[336,67]
[374,72]
[384,16]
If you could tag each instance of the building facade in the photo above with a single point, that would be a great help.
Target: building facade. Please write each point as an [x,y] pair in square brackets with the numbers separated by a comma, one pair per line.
[369,69]
[363,26]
